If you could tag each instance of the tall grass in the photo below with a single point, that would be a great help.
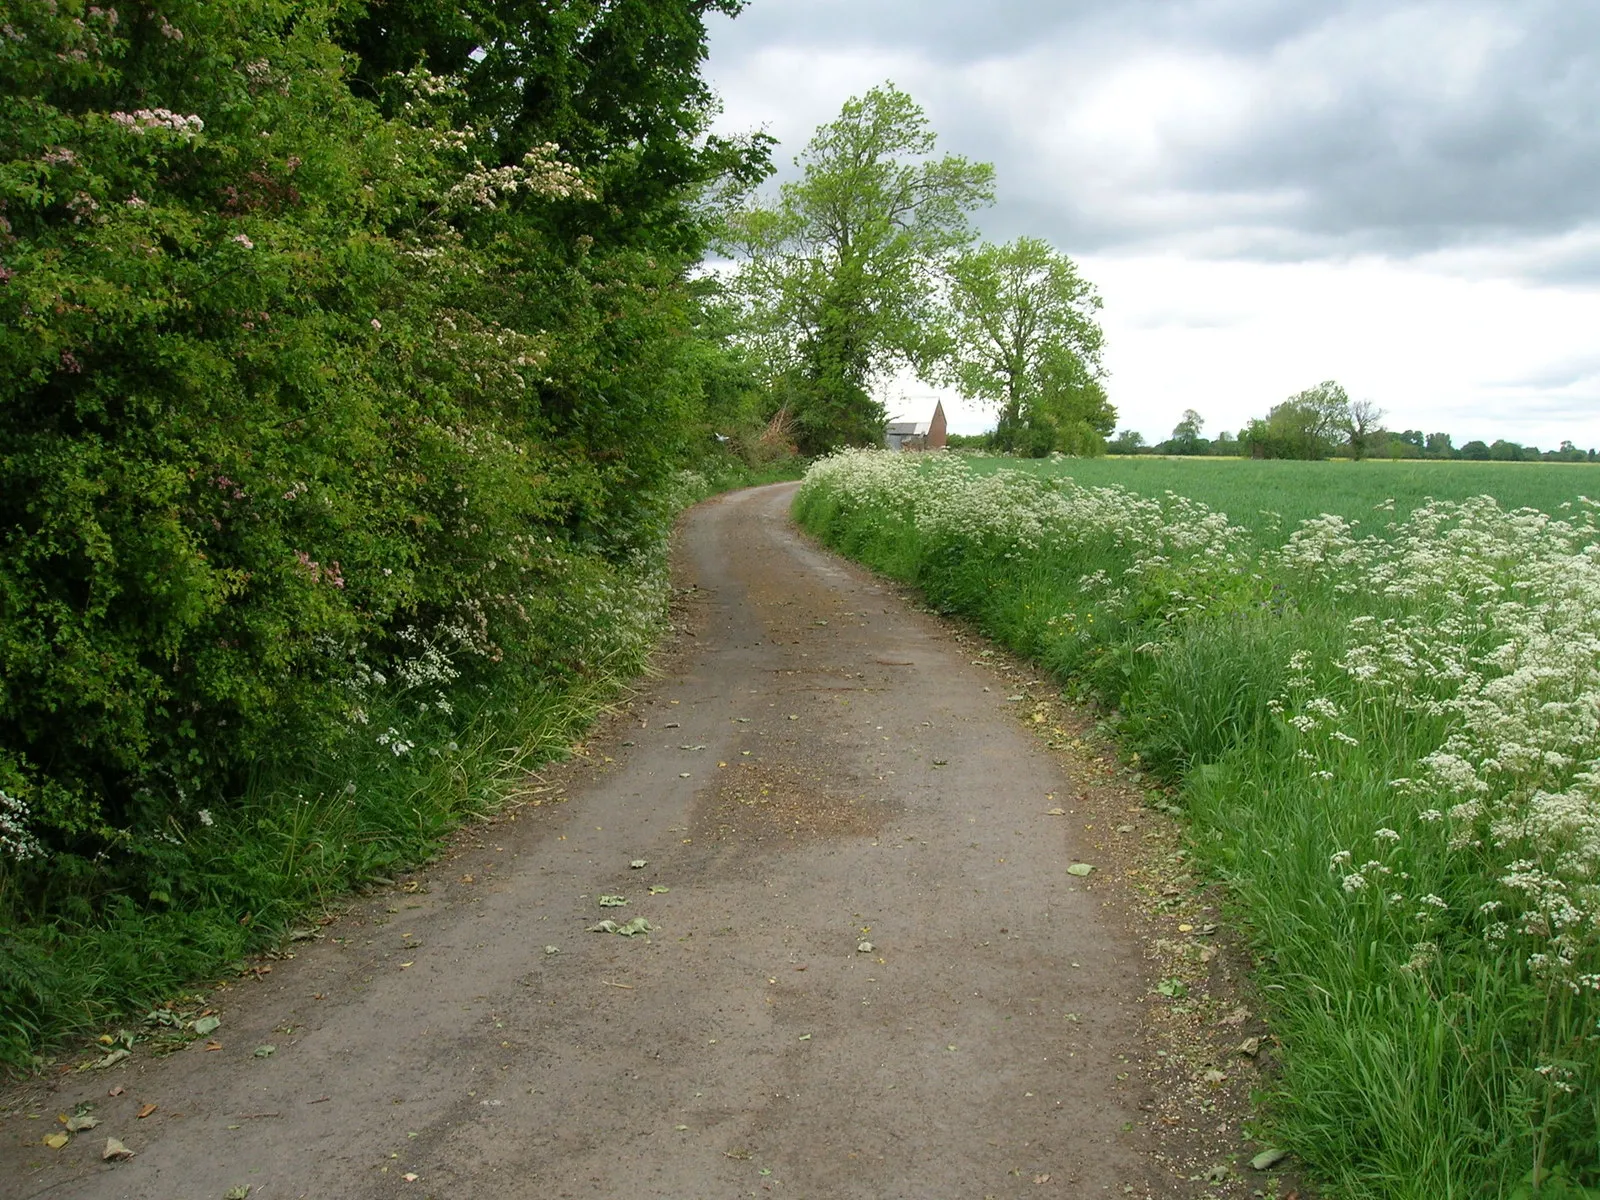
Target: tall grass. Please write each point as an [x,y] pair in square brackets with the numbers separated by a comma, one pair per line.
[1387,746]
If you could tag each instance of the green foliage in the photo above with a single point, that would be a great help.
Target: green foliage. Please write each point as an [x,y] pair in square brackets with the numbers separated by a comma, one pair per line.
[837,277]
[1127,441]
[1019,334]
[1311,424]
[334,389]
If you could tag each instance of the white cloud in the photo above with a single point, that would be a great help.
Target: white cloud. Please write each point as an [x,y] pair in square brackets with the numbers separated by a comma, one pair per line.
[1473,357]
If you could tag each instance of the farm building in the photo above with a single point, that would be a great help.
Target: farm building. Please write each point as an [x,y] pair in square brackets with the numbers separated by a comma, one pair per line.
[917,435]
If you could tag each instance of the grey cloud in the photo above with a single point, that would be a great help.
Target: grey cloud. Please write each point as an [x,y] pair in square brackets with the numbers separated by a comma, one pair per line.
[1388,161]
[956,31]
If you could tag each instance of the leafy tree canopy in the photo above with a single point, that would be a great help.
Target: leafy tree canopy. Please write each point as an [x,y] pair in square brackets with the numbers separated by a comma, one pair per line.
[838,274]
[1019,334]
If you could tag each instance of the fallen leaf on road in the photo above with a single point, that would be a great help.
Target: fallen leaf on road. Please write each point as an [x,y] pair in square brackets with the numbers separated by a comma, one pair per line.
[1041,1179]
[146,1109]
[1250,1047]
[115,1151]
[265,1051]
[1268,1159]
[683,774]
[613,901]
[213,1046]
[552,949]
[638,864]
[117,1091]
[56,1140]
[632,929]
[206,1025]
[865,948]
[1080,869]
[1055,812]
[658,890]
[81,1122]
[409,1177]
[1173,988]
[238,1193]
[1215,1076]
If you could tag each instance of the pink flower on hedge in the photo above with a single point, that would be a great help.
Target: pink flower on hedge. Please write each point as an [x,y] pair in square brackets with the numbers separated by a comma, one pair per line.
[244,241]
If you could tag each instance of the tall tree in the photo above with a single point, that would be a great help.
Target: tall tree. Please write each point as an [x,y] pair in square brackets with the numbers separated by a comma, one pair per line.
[1186,437]
[1020,335]
[1361,425]
[838,272]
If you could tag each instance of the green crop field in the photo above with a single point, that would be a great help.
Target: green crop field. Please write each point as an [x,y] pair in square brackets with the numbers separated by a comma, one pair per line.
[1266,496]
[1384,738]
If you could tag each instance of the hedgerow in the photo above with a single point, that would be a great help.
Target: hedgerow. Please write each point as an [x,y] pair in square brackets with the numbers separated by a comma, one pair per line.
[336,388]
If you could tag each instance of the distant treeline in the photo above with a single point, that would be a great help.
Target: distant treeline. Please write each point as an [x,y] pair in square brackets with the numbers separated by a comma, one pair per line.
[1323,422]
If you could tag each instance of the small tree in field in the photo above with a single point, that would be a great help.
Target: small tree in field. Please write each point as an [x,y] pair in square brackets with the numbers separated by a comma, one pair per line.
[1129,441]
[1309,425]
[1186,437]
[1362,423]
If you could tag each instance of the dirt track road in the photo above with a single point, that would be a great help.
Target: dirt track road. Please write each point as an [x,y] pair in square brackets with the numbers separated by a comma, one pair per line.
[822,768]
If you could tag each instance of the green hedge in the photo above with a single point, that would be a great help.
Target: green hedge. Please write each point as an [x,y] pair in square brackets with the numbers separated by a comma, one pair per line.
[336,393]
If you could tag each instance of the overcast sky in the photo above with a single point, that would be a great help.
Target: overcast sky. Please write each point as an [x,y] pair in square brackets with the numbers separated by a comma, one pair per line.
[1404,197]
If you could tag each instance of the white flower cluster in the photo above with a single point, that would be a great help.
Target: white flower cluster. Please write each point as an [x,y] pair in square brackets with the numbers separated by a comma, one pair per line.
[540,173]
[164,120]
[1173,546]
[1487,623]
[1173,543]
[16,842]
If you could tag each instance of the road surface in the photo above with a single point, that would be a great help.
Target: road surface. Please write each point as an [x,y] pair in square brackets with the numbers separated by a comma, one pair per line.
[868,972]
